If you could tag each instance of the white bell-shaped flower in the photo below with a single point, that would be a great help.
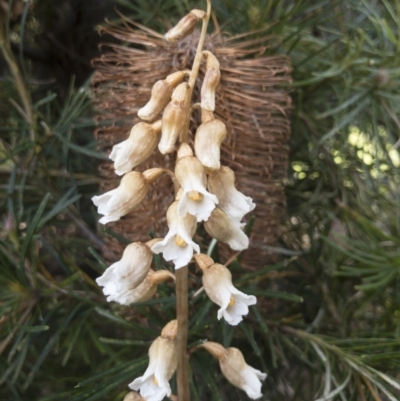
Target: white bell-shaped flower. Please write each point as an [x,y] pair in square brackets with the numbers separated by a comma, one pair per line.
[141,143]
[146,289]
[222,184]
[195,199]
[223,229]
[131,191]
[178,245]
[236,370]
[127,273]
[217,282]
[163,360]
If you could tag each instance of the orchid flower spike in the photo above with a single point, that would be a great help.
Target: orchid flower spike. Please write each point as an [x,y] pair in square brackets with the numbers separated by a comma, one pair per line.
[141,143]
[236,370]
[178,245]
[222,184]
[163,360]
[127,273]
[122,200]
[217,282]
[195,199]
[223,229]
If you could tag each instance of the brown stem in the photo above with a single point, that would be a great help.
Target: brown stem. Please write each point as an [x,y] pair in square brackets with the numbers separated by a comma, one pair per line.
[195,71]
[182,376]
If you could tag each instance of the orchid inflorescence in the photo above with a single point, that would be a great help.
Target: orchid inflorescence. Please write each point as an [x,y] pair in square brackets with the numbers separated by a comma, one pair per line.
[204,192]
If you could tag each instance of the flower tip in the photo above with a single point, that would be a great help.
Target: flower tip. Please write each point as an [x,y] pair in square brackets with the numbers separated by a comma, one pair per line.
[170,330]
[203,261]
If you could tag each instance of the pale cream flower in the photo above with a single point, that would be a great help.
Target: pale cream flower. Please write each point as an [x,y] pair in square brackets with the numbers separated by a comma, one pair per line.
[178,245]
[222,184]
[185,26]
[127,273]
[236,370]
[146,289]
[141,143]
[208,139]
[217,282]
[131,191]
[163,360]
[195,199]
[210,82]
[223,229]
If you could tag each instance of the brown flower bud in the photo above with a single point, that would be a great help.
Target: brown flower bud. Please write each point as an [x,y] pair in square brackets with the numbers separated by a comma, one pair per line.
[161,95]
[209,137]
[173,119]
[203,261]
[185,26]
[220,227]
[210,82]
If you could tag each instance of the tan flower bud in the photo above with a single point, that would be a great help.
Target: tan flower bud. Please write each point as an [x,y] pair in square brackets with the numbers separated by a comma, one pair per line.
[122,200]
[207,143]
[152,174]
[133,396]
[185,26]
[173,119]
[203,261]
[184,151]
[220,227]
[141,143]
[236,370]
[170,330]
[161,95]
[210,82]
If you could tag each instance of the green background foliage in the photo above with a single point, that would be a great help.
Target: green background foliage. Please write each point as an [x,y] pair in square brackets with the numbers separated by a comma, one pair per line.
[327,323]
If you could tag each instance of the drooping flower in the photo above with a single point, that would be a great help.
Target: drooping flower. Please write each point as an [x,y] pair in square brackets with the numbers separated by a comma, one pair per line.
[161,95]
[208,139]
[210,83]
[217,282]
[223,229]
[195,199]
[127,273]
[173,119]
[185,26]
[146,289]
[236,370]
[163,360]
[141,143]
[131,191]
[178,245]
[133,396]
[222,184]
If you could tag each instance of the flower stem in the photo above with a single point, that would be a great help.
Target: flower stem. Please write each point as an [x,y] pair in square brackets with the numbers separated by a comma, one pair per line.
[195,71]
[182,307]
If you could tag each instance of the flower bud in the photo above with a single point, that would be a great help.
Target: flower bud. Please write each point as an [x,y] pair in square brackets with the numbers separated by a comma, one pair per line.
[220,227]
[222,184]
[161,95]
[207,143]
[141,143]
[178,245]
[127,273]
[195,199]
[163,360]
[122,200]
[210,82]
[173,119]
[185,26]
[203,261]
[133,396]
[217,282]
[236,371]
[146,289]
